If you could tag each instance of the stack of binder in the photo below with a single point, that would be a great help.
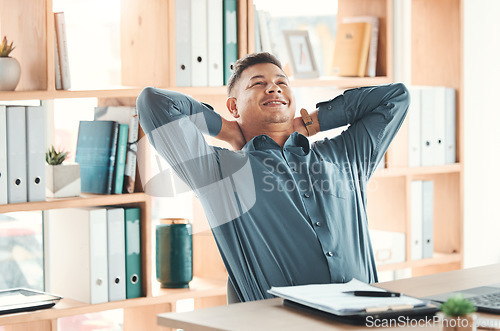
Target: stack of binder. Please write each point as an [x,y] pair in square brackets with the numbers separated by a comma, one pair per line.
[93,255]
[206,41]
[22,154]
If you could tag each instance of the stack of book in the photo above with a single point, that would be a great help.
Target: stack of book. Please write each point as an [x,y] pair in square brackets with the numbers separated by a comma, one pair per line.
[22,154]
[206,41]
[93,255]
[106,150]
[356,46]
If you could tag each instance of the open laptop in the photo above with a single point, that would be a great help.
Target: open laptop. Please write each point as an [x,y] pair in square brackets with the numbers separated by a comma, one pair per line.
[485,298]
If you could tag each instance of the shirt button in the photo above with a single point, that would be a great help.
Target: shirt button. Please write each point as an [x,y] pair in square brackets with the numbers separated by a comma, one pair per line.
[306,195]
[329,254]
[329,107]
[318,223]
[293,169]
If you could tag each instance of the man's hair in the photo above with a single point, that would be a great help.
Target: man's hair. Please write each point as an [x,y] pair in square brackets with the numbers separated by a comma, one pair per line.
[248,61]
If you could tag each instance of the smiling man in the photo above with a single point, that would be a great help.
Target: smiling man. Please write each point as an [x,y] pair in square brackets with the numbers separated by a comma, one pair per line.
[283,212]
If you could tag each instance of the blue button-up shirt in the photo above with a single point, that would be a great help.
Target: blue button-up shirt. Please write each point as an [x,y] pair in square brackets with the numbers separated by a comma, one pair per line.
[283,216]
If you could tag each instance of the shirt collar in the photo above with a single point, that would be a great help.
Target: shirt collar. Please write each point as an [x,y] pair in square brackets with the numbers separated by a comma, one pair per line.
[296,144]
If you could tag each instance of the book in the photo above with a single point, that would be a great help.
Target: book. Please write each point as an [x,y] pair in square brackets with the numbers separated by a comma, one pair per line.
[62,47]
[121,154]
[124,115]
[57,66]
[371,65]
[351,49]
[96,153]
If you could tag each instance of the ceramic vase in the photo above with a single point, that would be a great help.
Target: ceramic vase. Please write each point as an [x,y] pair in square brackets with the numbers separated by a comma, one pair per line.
[10,73]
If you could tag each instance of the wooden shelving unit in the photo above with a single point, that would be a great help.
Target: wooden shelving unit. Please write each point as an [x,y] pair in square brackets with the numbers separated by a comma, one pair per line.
[148,59]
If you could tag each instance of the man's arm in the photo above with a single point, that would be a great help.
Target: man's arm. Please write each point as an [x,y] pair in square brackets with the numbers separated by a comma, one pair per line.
[374,114]
[174,124]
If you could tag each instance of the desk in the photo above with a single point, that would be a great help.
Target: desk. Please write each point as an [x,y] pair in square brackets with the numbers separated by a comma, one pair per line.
[272,315]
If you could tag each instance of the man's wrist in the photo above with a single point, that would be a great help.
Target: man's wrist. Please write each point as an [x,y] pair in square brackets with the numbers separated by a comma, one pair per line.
[308,122]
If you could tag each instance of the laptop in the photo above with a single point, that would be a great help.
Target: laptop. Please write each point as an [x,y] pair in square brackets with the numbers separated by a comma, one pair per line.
[485,298]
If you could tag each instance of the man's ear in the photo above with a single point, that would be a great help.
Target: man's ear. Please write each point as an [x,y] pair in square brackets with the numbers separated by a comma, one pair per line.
[231,106]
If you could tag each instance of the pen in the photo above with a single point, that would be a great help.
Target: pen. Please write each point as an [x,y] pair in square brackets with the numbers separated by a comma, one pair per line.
[380,294]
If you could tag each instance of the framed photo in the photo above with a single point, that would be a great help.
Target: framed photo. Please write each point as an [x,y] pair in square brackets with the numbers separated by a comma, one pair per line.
[300,54]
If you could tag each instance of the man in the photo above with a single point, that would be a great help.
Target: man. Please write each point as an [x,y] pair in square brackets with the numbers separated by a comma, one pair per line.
[282,212]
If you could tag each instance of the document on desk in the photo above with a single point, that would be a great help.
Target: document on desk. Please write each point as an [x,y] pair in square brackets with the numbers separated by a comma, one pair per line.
[332,299]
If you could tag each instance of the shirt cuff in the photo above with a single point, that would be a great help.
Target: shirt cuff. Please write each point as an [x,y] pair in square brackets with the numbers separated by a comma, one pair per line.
[332,114]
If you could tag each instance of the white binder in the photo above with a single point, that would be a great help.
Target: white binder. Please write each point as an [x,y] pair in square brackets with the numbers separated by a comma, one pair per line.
[439,125]
[215,43]
[75,245]
[183,42]
[3,155]
[428,218]
[16,154]
[416,220]
[116,254]
[199,45]
[414,122]
[35,152]
[450,126]
[427,137]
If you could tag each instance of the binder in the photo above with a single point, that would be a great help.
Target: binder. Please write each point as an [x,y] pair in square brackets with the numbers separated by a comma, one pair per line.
[439,125]
[133,268]
[199,45]
[16,154]
[230,39]
[414,128]
[124,115]
[76,254]
[35,151]
[427,128]
[183,43]
[121,154]
[427,218]
[3,155]
[116,254]
[416,220]
[450,126]
[215,43]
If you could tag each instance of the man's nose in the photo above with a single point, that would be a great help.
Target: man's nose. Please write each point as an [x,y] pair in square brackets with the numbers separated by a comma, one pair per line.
[273,88]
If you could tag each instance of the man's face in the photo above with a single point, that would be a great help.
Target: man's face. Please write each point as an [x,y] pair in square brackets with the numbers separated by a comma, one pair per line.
[263,96]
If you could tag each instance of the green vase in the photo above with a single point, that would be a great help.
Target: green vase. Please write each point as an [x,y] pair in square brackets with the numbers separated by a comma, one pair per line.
[174,253]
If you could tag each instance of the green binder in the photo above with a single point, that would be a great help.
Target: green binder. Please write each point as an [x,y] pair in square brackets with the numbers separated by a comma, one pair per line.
[133,252]
[230,40]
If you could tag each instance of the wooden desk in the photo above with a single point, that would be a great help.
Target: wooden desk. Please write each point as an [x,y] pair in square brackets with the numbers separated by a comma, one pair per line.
[272,315]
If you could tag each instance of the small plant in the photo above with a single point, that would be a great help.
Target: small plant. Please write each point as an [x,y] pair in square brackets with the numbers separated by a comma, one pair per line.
[457,305]
[54,157]
[5,48]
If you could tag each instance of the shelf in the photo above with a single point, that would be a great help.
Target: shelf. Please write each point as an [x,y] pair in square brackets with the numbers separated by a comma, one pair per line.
[85,200]
[418,171]
[116,92]
[340,82]
[437,259]
[133,92]
[199,288]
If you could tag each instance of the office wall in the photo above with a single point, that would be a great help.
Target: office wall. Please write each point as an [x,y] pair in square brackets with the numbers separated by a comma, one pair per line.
[481,132]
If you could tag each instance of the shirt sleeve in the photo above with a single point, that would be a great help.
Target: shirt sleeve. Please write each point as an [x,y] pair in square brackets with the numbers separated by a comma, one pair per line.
[375,114]
[174,124]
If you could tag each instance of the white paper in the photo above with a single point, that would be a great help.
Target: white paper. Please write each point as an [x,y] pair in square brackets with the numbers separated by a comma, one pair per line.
[330,298]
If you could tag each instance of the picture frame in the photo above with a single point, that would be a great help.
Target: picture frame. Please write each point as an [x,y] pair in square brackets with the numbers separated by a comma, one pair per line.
[300,54]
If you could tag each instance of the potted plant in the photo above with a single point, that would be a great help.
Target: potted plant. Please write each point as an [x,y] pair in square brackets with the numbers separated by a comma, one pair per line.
[63,180]
[10,70]
[457,314]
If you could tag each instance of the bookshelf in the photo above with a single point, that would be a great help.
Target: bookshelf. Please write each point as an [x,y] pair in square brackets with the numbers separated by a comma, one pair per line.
[148,60]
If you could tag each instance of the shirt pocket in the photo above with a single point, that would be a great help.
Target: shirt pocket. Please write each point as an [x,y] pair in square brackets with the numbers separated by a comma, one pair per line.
[329,178]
